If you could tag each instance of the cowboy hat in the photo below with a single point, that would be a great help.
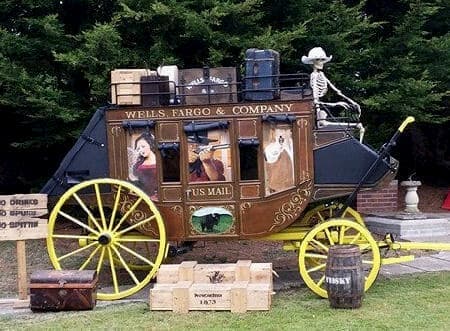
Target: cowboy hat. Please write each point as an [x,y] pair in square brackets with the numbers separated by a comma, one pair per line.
[315,54]
[201,140]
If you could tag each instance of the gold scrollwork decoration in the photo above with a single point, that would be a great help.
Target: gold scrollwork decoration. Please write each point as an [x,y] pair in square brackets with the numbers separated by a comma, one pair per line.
[137,215]
[291,209]
[177,209]
[244,206]
[116,130]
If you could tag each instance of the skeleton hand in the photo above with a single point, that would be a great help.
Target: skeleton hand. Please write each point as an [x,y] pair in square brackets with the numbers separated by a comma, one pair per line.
[343,104]
[357,108]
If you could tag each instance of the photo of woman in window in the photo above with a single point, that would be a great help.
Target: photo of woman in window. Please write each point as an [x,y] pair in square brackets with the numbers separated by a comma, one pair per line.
[144,167]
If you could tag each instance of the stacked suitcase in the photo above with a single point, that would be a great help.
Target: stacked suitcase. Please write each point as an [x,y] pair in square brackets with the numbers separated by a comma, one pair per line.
[262,70]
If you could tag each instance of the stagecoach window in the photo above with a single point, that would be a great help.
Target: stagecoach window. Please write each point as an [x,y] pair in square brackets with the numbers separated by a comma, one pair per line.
[278,154]
[141,153]
[209,153]
[248,158]
[170,159]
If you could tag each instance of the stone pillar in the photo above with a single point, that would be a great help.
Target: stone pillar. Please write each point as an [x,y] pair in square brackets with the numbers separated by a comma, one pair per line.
[411,197]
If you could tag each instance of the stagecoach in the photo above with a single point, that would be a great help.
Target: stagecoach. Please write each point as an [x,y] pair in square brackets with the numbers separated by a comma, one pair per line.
[167,164]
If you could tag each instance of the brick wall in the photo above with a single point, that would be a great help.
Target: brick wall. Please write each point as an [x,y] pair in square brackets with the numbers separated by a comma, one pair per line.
[378,200]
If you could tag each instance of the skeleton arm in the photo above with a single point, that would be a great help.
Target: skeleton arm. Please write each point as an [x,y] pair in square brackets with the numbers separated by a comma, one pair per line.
[338,92]
[319,84]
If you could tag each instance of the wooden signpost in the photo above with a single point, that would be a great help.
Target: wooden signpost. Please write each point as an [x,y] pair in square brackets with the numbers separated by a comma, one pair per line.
[20,219]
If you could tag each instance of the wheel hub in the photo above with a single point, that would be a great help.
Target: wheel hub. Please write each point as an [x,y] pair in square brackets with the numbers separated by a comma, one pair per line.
[104,239]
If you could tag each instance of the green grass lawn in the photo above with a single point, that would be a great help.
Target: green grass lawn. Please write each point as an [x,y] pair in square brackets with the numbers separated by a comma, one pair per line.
[405,303]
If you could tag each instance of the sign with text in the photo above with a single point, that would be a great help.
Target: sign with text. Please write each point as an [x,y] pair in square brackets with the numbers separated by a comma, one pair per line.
[20,216]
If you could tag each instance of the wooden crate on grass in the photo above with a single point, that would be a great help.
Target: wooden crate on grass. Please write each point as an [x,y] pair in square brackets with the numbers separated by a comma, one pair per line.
[237,287]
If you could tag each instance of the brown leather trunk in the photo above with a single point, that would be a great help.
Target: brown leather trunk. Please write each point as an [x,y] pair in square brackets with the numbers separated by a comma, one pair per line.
[208,85]
[55,290]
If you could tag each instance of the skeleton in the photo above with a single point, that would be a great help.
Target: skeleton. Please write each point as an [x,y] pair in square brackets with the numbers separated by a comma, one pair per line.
[320,83]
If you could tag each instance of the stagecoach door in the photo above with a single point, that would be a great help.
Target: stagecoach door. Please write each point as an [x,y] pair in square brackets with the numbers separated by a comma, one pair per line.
[209,174]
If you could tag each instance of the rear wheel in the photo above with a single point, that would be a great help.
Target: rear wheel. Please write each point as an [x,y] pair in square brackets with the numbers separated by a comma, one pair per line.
[94,226]
[336,231]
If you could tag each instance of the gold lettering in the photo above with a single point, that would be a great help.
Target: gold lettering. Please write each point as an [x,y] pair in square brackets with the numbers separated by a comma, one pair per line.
[205,112]
[279,108]
[196,192]
[288,106]
[130,114]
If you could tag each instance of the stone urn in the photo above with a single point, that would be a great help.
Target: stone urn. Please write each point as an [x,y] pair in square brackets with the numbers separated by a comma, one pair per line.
[411,197]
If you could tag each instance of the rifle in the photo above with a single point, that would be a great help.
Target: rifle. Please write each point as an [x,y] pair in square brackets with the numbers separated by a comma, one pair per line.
[200,149]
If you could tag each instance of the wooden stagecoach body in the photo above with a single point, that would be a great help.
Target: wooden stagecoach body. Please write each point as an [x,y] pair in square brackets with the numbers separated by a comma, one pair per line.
[255,211]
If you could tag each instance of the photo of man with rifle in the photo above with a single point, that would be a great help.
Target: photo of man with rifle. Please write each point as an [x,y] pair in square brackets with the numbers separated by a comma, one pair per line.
[203,167]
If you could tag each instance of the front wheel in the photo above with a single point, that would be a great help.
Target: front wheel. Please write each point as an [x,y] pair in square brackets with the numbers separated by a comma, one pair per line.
[332,232]
[91,227]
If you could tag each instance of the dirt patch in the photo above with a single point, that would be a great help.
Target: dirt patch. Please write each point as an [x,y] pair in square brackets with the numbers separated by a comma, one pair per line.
[203,252]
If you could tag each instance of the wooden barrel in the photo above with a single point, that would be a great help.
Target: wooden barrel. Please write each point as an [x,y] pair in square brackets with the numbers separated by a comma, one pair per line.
[344,277]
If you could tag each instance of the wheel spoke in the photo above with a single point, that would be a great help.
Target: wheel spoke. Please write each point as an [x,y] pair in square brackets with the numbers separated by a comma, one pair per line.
[72,236]
[125,216]
[131,227]
[341,234]
[139,256]
[317,268]
[355,238]
[100,260]
[100,205]
[113,271]
[367,262]
[74,220]
[316,256]
[328,234]
[318,243]
[320,216]
[122,261]
[79,250]
[85,264]
[321,280]
[114,211]
[87,211]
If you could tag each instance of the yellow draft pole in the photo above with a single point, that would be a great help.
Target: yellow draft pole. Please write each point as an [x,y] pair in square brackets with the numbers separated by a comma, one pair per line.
[421,245]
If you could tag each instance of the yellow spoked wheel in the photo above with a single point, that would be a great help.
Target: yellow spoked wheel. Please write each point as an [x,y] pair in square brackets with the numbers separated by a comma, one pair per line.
[336,231]
[327,211]
[91,228]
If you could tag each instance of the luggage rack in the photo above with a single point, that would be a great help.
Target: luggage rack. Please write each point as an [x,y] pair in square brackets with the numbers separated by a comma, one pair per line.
[289,87]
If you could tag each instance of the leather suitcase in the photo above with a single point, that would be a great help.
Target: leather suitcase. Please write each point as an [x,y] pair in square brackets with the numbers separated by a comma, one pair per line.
[155,91]
[208,85]
[56,290]
[262,70]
